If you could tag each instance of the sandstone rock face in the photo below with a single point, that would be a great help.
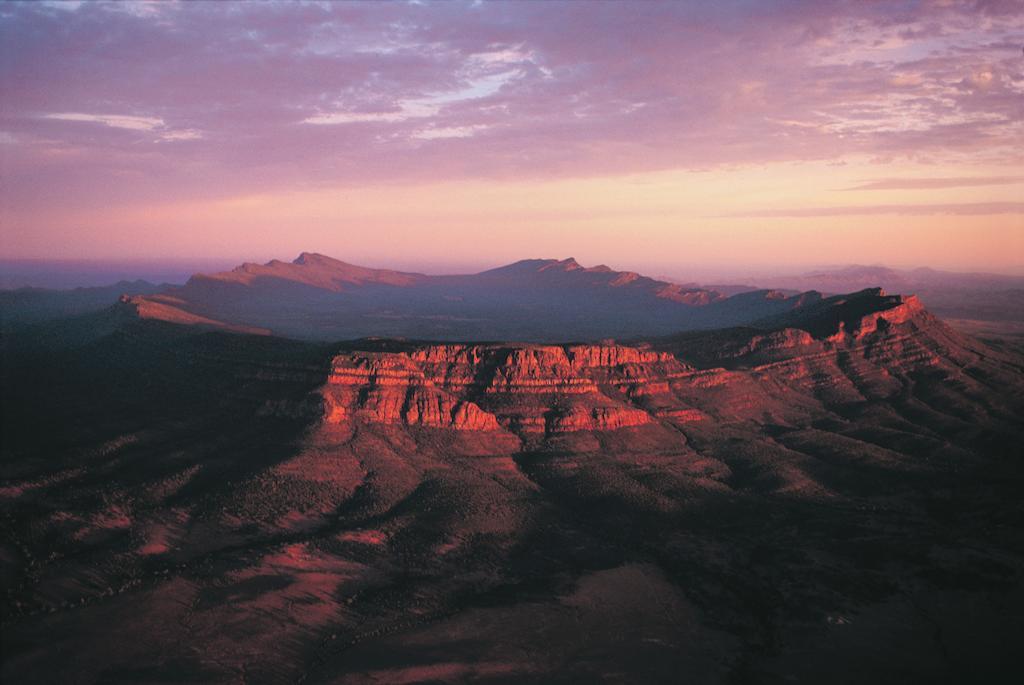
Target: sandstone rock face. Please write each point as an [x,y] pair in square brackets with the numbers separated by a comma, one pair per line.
[860,347]
[392,388]
[906,309]
[544,390]
[525,388]
[597,418]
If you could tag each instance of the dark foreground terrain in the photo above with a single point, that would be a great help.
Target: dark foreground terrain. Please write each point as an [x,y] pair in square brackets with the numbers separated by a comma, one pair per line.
[832,495]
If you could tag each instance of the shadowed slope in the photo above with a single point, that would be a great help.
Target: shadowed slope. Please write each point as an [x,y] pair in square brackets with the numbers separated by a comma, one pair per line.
[33,305]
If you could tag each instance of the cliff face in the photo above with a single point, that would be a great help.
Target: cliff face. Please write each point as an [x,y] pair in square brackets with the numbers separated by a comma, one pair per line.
[849,354]
[864,346]
[531,388]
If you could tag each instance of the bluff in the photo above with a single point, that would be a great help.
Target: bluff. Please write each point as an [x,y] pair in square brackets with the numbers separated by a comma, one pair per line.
[859,348]
[523,388]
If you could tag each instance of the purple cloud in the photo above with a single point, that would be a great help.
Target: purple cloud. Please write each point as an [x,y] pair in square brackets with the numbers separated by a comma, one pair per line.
[936,183]
[958,209]
[114,102]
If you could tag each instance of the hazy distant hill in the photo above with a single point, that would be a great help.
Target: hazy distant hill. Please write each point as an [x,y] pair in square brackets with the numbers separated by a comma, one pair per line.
[33,305]
[316,297]
[979,296]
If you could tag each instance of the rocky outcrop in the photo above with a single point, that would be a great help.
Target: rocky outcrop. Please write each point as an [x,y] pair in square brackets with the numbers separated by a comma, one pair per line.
[908,309]
[847,349]
[765,347]
[595,356]
[597,418]
[167,308]
[875,342]
[538,370]
[391,388]
[854,316]
[524,388]
[696,297]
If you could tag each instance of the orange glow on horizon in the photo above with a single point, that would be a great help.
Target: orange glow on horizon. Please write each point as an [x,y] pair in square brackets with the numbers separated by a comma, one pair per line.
[763,216]
[643,135]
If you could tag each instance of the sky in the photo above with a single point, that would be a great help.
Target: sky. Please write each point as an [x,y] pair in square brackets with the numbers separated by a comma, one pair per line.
[664,137]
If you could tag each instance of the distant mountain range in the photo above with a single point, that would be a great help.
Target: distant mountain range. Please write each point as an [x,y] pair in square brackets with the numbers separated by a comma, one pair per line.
[856,277]
[978,297]
[33,305]
[320,298]
[543,300]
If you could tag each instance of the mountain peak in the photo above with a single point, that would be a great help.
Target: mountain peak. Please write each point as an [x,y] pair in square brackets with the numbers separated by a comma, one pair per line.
[566,265]
[306,258]
[536,265]
[311,269]
[569,264]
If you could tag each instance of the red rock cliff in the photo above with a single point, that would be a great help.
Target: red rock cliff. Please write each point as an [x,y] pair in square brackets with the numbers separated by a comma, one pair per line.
[489,387]
[863,347]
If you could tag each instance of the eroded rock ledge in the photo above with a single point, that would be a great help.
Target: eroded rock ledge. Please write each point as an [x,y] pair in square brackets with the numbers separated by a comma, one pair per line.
[491,387]
[854,350]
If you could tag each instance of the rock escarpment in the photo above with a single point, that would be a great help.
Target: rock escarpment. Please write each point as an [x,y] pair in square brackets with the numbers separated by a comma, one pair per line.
[525,388]
[846,349]
[859,348]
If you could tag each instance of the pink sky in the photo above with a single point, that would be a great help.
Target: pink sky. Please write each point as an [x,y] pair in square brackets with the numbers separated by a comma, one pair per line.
[634,134]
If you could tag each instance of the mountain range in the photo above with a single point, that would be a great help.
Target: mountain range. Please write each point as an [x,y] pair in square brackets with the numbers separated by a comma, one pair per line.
[202,484]
[317,297]
[536,299]
[953,295]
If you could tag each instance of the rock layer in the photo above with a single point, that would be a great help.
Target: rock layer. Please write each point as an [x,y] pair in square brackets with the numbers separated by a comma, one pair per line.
[860,348]
[529,388]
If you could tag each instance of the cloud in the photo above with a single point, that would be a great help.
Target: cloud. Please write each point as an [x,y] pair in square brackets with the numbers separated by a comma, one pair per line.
[958,209]
[152,125]
[417,108]
[289,95]
[139,8]
[132,123]
[448,132]
[182,134]
[67,5]
[935,183]
[363,117]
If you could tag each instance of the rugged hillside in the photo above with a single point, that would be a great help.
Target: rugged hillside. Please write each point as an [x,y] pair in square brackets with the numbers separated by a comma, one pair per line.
[34,305]
[569,273]
[542,300]
[849,349]
[951,295]
[760,504]
[309,269]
